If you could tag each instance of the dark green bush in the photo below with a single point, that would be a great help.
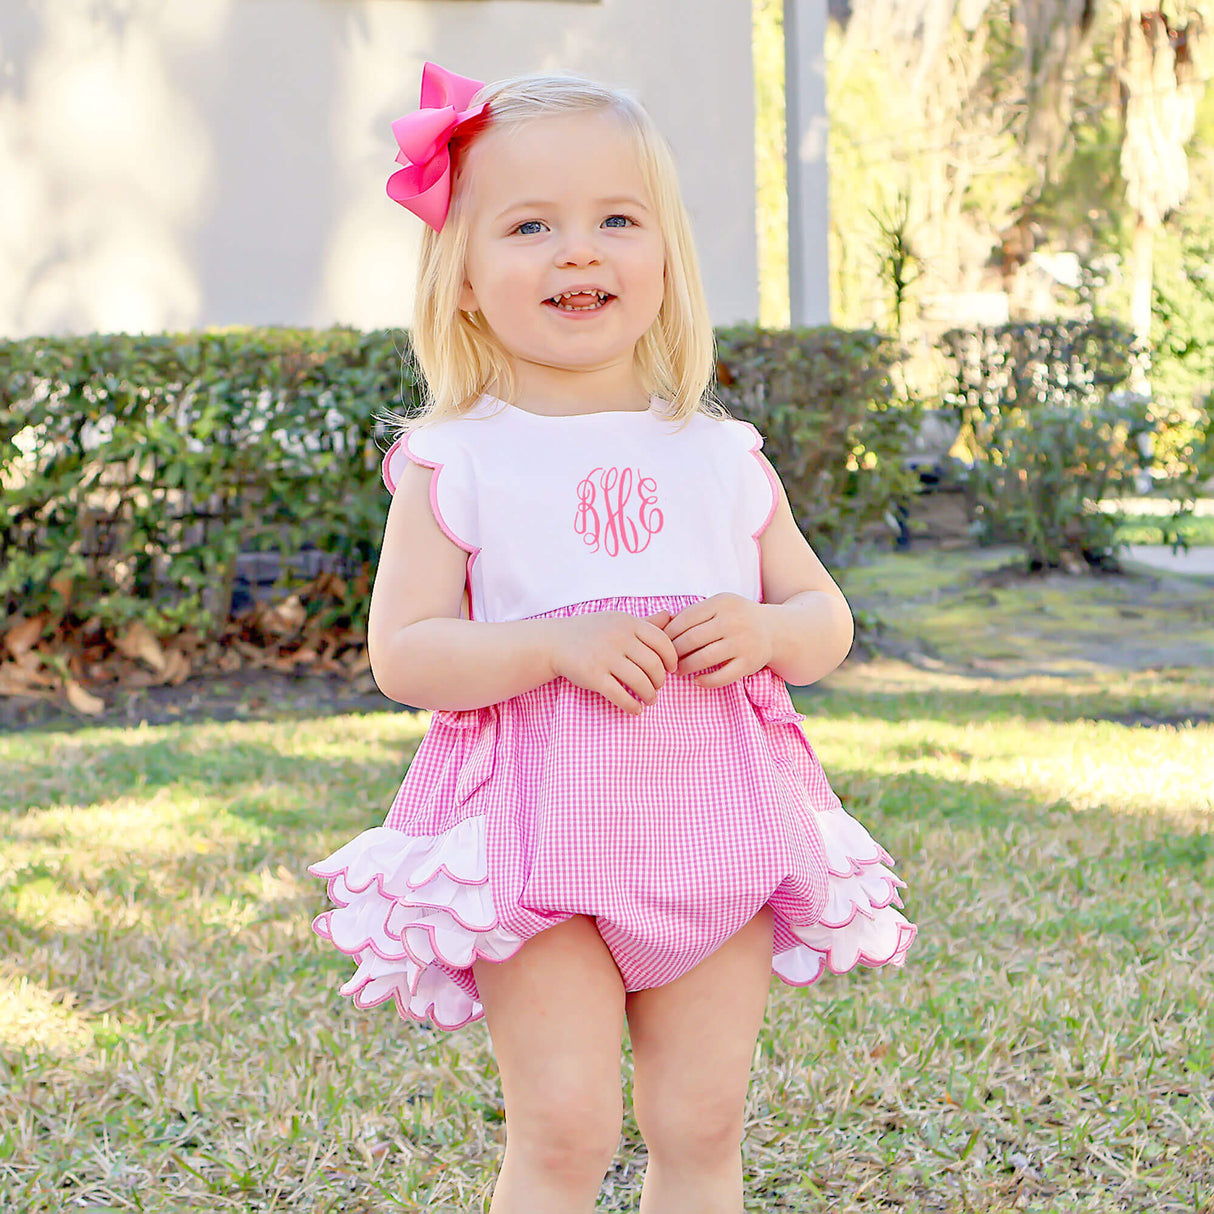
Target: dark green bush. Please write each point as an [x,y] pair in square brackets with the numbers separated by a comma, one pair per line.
[135,469]
[836,431]
[1051,432]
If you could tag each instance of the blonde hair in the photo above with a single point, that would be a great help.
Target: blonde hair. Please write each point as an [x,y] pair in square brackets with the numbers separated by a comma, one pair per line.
[458,354]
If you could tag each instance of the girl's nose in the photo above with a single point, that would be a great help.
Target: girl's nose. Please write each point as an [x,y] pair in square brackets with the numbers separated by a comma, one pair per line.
[578,249]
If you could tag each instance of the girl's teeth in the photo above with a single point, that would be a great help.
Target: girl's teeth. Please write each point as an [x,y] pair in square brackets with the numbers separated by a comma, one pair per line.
[566,302]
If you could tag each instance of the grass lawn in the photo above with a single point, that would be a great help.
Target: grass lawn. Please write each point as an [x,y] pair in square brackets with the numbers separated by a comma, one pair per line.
[173,1041]
[1142,521]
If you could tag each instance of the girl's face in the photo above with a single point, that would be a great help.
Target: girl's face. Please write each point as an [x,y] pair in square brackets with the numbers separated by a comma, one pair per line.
[565,260]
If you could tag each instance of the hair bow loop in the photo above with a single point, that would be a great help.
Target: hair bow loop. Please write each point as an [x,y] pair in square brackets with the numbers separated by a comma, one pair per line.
[423,186]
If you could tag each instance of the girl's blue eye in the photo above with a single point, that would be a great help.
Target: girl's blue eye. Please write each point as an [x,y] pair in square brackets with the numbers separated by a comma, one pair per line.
[611,221]
[529,227]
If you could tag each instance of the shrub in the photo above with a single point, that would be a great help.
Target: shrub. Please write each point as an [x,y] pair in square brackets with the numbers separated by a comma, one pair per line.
[1050,432]
[835,430]
[135,469]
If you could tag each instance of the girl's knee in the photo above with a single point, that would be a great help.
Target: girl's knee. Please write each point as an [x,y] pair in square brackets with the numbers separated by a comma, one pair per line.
[572,1134]
[689,1130]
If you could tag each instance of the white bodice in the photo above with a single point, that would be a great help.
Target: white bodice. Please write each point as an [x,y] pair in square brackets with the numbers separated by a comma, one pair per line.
[554,511]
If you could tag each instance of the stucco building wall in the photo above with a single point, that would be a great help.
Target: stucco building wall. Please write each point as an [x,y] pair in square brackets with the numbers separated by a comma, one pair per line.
[172,164]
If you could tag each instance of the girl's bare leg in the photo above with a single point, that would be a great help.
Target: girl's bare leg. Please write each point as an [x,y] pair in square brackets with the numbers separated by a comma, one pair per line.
[692,1043]
[555,1012]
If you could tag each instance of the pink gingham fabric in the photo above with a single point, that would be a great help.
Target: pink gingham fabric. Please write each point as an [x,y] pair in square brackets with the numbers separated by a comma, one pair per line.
[672,828]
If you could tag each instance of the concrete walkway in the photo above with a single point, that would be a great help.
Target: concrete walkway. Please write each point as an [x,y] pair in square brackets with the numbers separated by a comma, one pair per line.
[1197,562]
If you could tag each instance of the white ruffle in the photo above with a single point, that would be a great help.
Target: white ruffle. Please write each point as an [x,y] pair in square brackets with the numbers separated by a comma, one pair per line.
[860,924]
[405,907]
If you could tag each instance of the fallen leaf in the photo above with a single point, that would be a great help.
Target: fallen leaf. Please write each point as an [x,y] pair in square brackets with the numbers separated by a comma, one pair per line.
[61,584]
[34,669]
[82,700]
[284,618]
[177,668]
[25,634]
[138,641]
[12,680]
[254,655]
[229,661]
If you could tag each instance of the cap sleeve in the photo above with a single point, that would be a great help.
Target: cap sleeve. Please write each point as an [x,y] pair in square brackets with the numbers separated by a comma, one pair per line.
[451,499]
[760,489]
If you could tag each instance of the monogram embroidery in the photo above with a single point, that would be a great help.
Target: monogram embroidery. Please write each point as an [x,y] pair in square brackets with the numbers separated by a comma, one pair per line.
[617,510]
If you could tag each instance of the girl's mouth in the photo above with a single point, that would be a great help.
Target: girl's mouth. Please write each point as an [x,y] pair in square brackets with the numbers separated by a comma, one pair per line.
[580,301]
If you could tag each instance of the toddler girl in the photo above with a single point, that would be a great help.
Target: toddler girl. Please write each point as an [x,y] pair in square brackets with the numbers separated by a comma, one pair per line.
[594,579]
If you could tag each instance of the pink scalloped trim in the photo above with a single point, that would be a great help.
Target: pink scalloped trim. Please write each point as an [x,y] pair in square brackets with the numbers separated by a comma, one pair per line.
[376,879]
[448,909]
[906,936]
[857,865]
[858,908]
[436,466]
[320,925]
[757,536]
[429,1012]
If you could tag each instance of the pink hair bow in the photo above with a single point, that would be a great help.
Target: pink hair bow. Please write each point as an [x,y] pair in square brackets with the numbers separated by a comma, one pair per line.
[423,186]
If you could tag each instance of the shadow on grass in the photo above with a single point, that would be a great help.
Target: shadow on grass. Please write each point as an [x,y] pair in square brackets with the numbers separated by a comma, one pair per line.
[91,774]
[1056,700]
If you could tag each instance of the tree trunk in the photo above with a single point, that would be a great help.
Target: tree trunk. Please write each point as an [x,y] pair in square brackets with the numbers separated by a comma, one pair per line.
[1143,271]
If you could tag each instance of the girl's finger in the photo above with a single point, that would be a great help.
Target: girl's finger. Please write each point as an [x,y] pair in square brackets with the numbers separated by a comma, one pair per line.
[659,619]
[697,637]
[705,656]
[689,617]
[657,641]
[636,679]
[612,689]
[650,663]
[731,672]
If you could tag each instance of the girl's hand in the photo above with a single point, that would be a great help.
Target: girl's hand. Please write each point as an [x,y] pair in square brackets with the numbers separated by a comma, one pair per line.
[623,658]
[726,630]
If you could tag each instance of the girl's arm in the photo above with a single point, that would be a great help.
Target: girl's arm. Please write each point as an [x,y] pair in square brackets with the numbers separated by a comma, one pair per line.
[423,652]
[802,629]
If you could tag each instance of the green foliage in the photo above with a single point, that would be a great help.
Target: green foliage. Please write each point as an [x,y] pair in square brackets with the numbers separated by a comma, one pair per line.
[834,428]
[136,468]
[1180,530]
[1182,339]
[1050,436]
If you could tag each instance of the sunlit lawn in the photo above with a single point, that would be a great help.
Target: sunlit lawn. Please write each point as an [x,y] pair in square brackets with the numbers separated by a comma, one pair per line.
[172,1039]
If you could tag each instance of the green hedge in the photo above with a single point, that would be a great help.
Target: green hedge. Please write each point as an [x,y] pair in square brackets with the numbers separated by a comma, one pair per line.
[1053,431]
[136,469]
[835,428]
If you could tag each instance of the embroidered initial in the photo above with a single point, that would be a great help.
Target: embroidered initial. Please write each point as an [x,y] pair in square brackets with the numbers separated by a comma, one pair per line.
[617,510]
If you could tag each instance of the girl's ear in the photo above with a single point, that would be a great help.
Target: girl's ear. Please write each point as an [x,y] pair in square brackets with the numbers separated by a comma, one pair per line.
[467,298]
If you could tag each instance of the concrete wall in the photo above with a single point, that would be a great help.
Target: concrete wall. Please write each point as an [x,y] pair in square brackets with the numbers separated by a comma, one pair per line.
[171,164]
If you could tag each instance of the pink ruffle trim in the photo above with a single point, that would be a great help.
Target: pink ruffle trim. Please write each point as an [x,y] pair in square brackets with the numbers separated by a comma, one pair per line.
[859,924]
[410,909]
[406,907]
